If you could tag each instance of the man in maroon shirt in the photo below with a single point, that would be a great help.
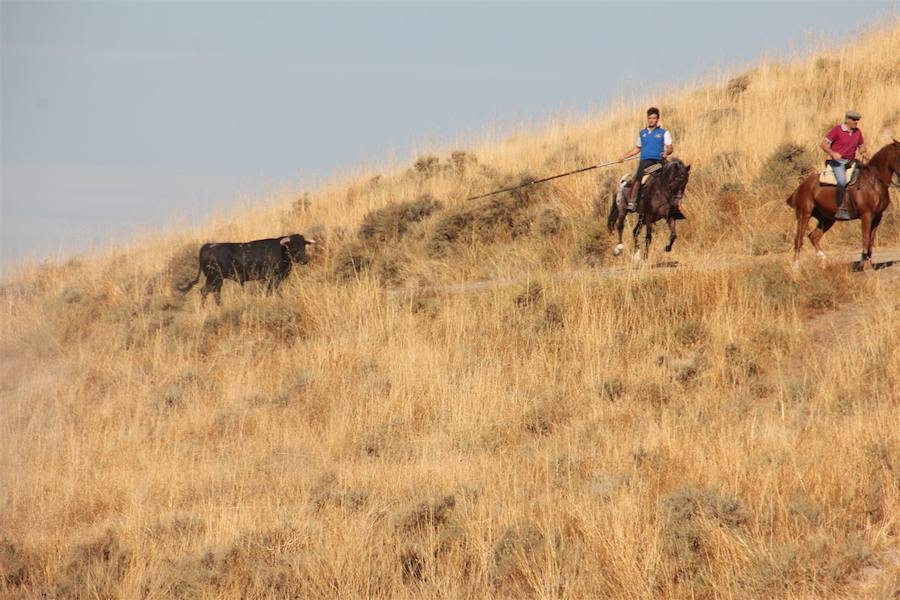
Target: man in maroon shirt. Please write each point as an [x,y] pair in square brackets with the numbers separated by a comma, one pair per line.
[841,144]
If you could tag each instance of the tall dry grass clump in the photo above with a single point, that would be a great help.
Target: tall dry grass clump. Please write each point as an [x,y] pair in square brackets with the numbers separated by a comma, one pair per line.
[448,402]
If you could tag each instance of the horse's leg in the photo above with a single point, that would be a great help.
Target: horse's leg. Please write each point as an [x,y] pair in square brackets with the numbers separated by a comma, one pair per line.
[876,221]
[648,237]
[866,222]
[620,227]
[803,214]
[671,223]
[815,236]
[636,258]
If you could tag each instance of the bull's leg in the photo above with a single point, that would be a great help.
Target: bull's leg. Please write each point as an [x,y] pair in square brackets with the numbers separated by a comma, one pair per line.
[671,223]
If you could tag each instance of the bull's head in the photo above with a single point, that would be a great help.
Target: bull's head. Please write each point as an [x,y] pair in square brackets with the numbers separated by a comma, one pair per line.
[295,246]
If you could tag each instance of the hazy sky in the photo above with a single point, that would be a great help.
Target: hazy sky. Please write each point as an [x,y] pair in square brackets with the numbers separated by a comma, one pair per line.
[118,117]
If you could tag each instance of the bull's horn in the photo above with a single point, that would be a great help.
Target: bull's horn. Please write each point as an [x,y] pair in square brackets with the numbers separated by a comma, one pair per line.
[311,242]
[284,241]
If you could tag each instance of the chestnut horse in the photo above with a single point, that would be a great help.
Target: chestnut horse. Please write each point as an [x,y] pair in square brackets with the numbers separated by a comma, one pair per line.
[660,199]
[866,201]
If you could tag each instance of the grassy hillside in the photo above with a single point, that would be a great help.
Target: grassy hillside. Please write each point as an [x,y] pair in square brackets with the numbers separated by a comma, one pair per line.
[575,428]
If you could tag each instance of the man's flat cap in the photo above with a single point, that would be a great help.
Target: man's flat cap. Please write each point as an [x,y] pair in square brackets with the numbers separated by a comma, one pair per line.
[852,114]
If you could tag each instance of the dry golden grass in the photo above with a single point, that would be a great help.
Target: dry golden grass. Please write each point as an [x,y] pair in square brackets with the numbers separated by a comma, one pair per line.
[725,429]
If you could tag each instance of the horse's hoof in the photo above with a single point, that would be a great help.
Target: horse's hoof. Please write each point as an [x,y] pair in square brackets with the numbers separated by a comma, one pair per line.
[821,255]
[636,259]
[668,248]
[796,265]
[618,249]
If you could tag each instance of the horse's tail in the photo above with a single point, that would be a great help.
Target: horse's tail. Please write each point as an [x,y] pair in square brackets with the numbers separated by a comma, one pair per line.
[613,214]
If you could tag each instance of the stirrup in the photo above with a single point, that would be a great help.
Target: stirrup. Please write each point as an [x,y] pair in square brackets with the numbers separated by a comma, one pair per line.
[841,214]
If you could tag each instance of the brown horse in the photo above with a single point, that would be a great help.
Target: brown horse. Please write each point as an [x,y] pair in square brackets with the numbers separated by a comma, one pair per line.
[660,199]
[867,201]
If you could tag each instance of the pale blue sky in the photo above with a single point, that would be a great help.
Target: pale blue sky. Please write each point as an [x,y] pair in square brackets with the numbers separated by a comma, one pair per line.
[119,117]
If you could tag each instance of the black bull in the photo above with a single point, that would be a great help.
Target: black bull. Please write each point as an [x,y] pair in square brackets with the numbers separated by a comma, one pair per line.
[264,260]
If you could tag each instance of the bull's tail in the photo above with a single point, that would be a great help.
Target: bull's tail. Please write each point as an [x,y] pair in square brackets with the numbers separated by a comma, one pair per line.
[187,285]
[613,214]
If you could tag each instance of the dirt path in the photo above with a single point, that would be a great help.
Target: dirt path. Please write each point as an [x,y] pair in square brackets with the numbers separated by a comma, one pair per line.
[885,259]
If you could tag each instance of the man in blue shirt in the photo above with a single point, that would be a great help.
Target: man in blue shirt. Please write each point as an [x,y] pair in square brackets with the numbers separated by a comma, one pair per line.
[654,145]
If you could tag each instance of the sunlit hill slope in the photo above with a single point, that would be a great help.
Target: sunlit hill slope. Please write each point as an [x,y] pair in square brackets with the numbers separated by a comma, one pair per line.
[477,399]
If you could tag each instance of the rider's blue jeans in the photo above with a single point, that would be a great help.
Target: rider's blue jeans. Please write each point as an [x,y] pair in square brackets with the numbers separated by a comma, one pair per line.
[840,171]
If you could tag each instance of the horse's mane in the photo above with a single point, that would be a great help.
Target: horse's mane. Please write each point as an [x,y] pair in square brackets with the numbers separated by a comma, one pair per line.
[880,160]
[881,155]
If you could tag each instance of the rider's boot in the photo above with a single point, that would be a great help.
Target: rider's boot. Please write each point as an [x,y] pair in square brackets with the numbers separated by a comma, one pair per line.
[633,197]
[841,213]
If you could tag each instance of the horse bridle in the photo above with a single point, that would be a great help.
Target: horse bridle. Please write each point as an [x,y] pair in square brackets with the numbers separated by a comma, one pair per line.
[674,198]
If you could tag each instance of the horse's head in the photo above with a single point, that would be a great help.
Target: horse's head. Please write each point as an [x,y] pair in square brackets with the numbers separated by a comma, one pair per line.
[676,179]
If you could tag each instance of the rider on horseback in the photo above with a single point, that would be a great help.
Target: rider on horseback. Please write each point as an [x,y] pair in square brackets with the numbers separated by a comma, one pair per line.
[654,144]
[841,144]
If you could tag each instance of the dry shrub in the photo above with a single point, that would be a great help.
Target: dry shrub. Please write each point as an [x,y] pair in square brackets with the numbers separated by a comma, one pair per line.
[529,294]
[687,513]
[426,305]
[739,365]
[729,199]
[15,565]
[812,561]
[328,492]
[459,164]
[543,416]
[427,514]
[722,168]
[96,568]
[691,333]
[301,206]
[773,283]
[717,115]
[608,185]
[181,268]
[426,166]
[653,393]
[516,553]
[412,564]
[463,161]
[788,164]
[269,563]
[499,217]
[76,310]
[350,261]
[592,245]
[548,222]
[611,388]
[391,269]
[280,321]
[387,438]
[737,86]
[392,222]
